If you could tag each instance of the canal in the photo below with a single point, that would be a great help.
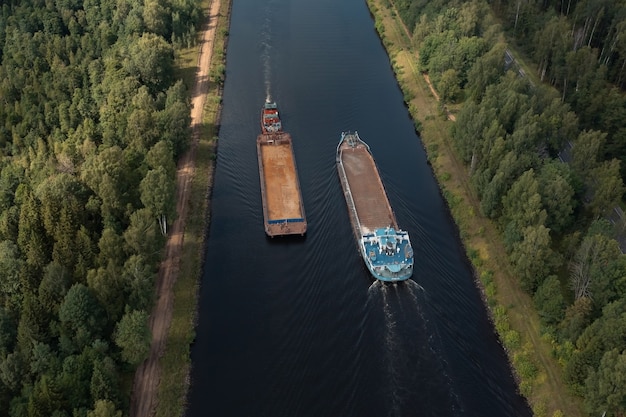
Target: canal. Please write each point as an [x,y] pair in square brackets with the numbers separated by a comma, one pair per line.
[297,326]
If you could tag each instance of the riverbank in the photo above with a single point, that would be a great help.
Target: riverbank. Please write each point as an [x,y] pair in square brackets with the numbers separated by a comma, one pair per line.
[176,361]
[173,319]
[515,319]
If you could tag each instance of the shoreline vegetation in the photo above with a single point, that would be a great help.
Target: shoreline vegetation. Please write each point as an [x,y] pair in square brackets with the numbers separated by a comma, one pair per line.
[514,317]
[176,359]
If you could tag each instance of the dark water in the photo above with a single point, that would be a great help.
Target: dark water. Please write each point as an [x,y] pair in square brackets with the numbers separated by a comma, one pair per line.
[297,327]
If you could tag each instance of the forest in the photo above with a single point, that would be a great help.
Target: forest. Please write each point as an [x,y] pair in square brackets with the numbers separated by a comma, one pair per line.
[92,121]
[543,148]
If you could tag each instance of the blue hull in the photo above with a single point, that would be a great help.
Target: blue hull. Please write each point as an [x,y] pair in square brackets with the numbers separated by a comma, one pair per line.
[388,254]
[385,248]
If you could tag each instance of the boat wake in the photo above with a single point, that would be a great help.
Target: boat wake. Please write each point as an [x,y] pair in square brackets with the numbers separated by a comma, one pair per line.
[410,358]
[266,49]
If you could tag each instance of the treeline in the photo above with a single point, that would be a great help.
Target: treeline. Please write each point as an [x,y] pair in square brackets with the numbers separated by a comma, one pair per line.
[550,200]
[579,47]
[92,121]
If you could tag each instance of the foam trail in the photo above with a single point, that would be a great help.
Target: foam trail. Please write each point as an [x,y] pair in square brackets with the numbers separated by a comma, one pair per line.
[373,287]
[265,57]
[266,48]
[392,347]
[434,345]
[413,288]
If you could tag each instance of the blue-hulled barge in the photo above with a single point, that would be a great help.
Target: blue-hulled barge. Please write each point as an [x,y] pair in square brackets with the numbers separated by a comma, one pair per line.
[386,249]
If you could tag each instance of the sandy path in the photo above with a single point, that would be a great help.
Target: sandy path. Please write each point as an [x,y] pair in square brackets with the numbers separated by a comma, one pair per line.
[147,376]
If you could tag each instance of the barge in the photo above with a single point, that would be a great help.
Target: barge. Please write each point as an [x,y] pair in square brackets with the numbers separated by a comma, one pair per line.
[385,248]
[283,209]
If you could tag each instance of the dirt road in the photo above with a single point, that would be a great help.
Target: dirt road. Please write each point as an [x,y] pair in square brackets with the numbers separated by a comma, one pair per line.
[147,376]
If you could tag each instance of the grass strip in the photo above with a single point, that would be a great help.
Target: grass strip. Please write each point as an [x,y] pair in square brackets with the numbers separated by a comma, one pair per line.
[175,363]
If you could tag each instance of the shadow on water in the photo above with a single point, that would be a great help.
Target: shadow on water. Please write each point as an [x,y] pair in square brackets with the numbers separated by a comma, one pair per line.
[413,370]
[287,240]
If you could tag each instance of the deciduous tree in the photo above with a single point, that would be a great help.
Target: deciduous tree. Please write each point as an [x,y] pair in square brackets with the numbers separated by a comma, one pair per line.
[157,194]
[132,335]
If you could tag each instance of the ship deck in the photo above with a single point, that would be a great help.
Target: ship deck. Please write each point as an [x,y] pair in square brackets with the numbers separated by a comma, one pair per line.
[370,200]
[283,209]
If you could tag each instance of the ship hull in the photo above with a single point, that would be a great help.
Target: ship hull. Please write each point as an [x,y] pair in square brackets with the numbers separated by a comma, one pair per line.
[385,249]
[270,120]
[283,210]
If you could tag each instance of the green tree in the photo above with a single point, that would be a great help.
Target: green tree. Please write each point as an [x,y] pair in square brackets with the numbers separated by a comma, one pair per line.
[526,137]
[10,177]
[551,43]
[532,257]
[468,132]
[558,124]
[12,371]
[521,207]
[577,318]
[557,195]
[604,334]
[607,187]
[85,253]
[33,325]
[104,408]
[509,98]
[8,332]
[585,151]
[111,246]
[432,54]
[549,301]
[510,168]
[44,360]
[486,71]
[81,316]
[54,285]
[9,220]
[491,202]
[606,270]
[105,380]
[31,239]
[156,17]
[141,129]
[107,175]
[604,387]
[174,125]
[132,335]
[107,285]
[589,80]
[142,235]
[449,88]
[45,398]
[151,59]
[160,155]
[11,265]
[75,378]
[139,277]
[114,110]
[157,194]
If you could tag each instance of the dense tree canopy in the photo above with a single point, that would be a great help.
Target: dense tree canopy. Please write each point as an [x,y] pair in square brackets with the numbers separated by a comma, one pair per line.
[92,120]
[545,159]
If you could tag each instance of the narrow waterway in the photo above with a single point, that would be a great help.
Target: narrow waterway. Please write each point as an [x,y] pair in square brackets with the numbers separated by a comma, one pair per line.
[297,326]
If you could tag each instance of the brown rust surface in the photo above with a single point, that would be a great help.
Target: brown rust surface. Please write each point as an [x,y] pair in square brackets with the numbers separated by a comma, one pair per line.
[367,190]
[282,190]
